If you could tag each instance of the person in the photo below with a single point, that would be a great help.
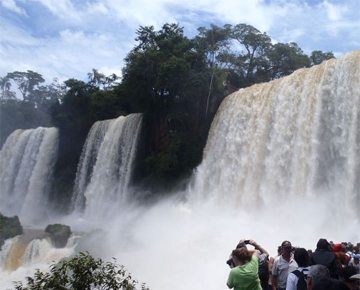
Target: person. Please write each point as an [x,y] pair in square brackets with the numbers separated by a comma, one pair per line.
[301,257]
[244,276]
[356,279]
[315,274]
[271,265]
[263,261]
[323,255]
[330,284]
[339,252]
[348,272]
[283,265]
[355,262]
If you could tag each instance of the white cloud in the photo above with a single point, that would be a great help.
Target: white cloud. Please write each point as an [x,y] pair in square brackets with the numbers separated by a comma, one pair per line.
[63,9]
[97,8]
[334,12]
[11,5]
[107,71]
[67,38]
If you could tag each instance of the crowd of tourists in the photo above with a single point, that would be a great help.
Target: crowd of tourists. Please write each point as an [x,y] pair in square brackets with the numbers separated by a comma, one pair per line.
[330,266]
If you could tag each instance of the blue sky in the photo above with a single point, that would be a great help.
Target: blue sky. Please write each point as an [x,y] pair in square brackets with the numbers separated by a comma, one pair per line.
[68,38]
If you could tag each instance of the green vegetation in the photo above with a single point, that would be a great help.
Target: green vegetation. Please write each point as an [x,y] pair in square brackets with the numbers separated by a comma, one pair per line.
[176,82]
[82,272]
[9,228]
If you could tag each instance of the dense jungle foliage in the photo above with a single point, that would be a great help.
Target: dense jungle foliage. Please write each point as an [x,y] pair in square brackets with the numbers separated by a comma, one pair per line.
[177,82]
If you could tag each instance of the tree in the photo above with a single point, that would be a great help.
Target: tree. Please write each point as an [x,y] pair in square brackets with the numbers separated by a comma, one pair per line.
[215,42]
[98,79]
[82,272]
[285,58]
[5,85]
[166,78]
[26,82]
[256,46]
[317,56]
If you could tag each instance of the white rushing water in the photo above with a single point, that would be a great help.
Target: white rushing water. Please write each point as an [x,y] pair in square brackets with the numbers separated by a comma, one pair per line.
[26,166]
[294,137]
[20,258]
[106,164]
[281,162]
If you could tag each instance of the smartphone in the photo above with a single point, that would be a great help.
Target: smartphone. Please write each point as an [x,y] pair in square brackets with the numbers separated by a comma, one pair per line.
[247,241]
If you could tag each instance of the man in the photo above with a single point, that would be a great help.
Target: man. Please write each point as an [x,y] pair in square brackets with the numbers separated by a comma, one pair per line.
[283,265]
[297,279]
[315,274]
[323,255]
[355,262]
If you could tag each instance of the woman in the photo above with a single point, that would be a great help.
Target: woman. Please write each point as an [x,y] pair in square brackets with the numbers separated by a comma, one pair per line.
[244,276]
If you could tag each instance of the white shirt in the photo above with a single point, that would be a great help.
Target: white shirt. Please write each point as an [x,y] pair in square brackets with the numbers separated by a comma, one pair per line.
[292,279]
[282,268]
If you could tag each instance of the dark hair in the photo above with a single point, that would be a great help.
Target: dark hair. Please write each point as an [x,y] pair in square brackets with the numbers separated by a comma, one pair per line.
[241,245]
[242,254]
[301,257]
[323,244]
[347,272]
[330,284]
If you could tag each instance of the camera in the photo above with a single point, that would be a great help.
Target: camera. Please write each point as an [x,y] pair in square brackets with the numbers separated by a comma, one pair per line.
[230,262]
[247,242]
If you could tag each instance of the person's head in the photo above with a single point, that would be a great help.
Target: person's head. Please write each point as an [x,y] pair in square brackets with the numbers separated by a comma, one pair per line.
[286,247]
[240,245]
[315,274]
[323,244]
[338,248]
[350,247]
[301,257]
[356,259]
[330,284]
[241,256]
[356,250]
[347,272]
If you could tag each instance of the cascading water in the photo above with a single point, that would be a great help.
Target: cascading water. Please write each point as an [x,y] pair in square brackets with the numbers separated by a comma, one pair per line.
[26,166]
[87,162]
[281,162]
[19,256]
[296,136]
[105,168]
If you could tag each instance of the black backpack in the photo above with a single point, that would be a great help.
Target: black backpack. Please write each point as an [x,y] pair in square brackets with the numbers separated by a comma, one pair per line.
[301,285]
[264,273]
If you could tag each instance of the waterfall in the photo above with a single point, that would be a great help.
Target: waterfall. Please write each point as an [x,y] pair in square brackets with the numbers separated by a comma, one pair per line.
[26,166]
[87,162]
[297,136]
[21,251]
[105,168]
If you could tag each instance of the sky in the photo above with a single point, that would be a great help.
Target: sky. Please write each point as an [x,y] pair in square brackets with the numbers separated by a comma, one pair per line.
[68,38]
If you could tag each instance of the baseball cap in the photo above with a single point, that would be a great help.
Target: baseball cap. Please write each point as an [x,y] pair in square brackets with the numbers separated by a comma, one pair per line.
[355,277]
[286,244]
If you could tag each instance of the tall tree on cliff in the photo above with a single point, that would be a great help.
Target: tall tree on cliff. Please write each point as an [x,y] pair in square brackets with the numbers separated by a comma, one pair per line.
[165,77]
[215,42]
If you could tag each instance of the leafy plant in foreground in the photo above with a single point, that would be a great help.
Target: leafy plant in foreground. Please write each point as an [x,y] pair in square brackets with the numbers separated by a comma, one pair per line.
[82,272]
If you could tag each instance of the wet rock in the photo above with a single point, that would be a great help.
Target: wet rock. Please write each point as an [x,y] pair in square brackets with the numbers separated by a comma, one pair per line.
[9,228]
[59,234]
